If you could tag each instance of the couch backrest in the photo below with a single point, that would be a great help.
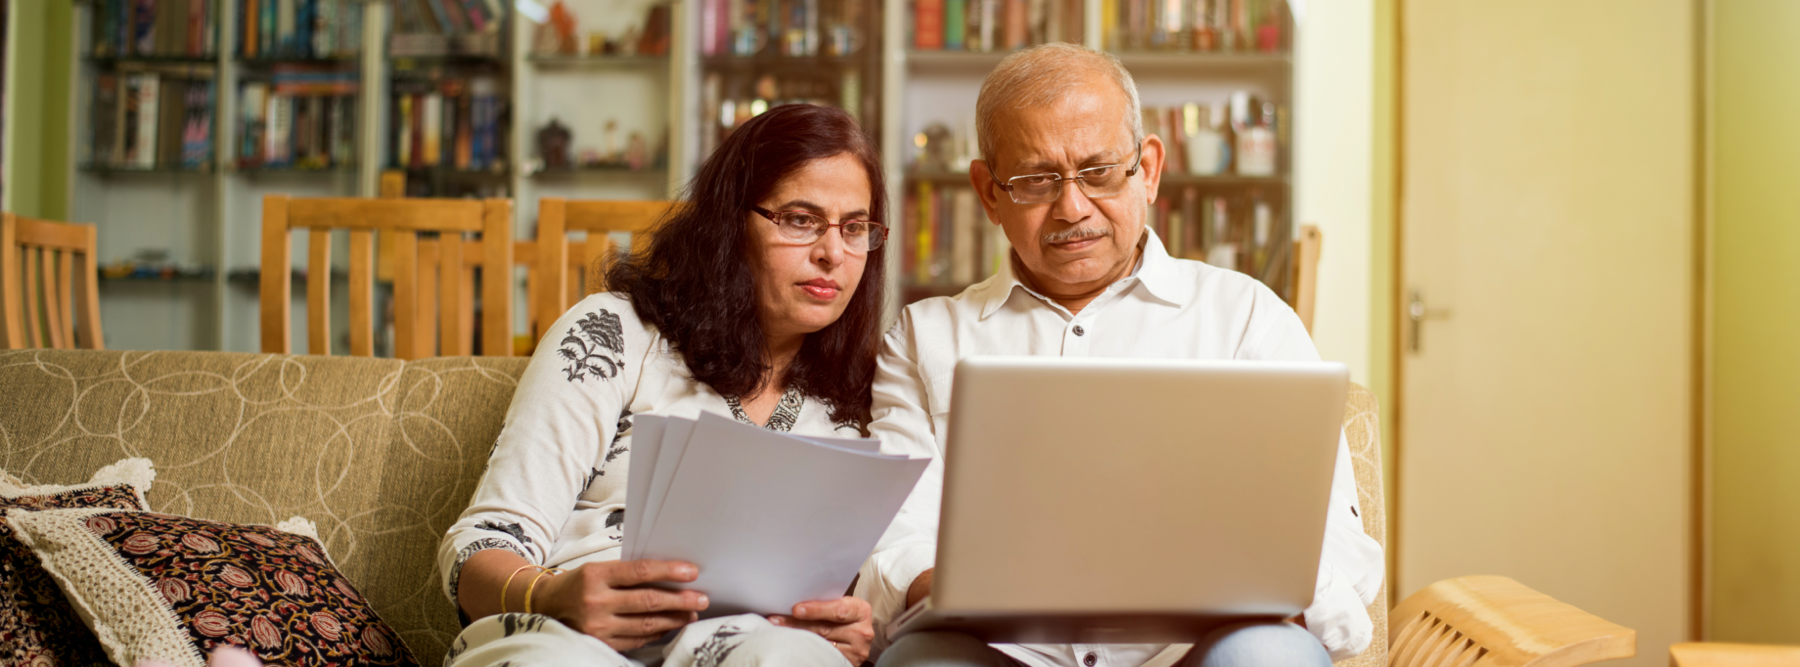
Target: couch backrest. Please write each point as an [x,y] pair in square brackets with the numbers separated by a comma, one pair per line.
[381,455]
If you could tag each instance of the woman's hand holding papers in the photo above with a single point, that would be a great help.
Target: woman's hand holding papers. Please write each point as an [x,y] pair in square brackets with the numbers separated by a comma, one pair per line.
[610,602]
[845,622]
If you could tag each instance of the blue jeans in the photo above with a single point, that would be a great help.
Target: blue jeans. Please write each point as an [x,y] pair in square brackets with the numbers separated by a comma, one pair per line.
[1249,644]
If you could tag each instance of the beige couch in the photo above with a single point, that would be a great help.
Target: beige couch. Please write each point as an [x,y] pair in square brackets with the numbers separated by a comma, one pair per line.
[383,455]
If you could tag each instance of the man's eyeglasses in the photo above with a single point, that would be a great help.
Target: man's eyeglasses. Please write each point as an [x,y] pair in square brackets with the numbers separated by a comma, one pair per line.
[1106,180]
[804,227]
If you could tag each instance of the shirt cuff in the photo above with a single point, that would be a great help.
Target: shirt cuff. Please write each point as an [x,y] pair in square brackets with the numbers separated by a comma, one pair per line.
[883,583]
[1338,616]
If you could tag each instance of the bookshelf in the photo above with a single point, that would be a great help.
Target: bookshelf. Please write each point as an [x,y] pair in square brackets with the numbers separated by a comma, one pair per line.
[1231,216]
[637,107]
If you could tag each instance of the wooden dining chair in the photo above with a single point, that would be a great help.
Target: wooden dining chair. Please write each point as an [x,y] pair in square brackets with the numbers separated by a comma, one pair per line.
[437,299]
[1306,273]
[48,281]
[577,274]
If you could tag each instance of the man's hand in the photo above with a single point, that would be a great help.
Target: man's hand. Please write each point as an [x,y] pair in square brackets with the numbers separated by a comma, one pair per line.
[608,600]
[845,622]
[920,588]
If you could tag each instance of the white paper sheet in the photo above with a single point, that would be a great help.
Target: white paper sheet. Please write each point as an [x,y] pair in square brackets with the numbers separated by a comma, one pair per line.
[646,444]
[771,519]
[676,432]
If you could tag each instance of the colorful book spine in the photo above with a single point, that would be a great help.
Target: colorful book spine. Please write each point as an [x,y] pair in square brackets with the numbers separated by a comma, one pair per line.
[956,16]
[925,240]
[928,24]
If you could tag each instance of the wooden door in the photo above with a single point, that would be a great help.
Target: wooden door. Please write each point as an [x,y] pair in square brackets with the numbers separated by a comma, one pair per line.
[1548,216]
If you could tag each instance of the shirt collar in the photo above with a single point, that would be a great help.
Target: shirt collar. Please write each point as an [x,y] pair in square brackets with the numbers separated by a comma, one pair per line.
[1157,272]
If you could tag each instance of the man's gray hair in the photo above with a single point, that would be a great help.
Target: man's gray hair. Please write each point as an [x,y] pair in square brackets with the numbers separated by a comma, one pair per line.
[1045,74]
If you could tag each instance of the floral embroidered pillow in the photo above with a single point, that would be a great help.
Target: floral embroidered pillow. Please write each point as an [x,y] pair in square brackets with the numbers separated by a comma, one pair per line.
[38,626]
[169,588]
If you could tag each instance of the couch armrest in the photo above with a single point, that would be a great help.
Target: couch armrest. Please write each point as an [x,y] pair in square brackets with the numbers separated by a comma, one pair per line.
[1715,654]
[1490,621]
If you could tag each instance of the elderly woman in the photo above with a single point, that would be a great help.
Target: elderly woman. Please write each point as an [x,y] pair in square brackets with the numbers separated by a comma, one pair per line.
[761,298]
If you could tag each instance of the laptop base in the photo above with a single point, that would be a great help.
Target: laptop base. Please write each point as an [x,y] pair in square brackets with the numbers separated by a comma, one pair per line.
[1067,629]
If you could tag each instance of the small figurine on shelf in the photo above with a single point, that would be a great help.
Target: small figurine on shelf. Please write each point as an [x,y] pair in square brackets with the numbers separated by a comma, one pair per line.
[637,151]
[934,149]
[655,39]
[563,21]
[553,145]
[611,153]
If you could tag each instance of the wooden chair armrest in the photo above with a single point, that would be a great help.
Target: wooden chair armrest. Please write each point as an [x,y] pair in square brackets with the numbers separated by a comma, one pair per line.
[1718,654]
[1489,621]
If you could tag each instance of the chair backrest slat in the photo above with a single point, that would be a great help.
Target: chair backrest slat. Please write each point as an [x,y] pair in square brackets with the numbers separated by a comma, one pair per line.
[277,276]
[496,295]
[11,294]
[425,319]
[406,295]
[362,293]
[53,311]
[49,291]
[318,291]
[65,296]
[450,283]
[86,284]
[33,321]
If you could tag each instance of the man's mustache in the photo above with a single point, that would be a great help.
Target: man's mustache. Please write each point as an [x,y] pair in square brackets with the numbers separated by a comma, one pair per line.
[1077,234]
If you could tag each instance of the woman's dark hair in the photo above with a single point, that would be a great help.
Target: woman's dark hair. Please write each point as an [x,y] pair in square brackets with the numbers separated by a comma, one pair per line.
[695,283]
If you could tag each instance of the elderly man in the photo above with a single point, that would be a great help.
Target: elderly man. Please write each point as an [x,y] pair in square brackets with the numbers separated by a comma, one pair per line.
[1069,175]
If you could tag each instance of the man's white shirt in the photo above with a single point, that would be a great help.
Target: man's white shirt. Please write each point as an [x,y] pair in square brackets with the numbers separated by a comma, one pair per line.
[1167,308]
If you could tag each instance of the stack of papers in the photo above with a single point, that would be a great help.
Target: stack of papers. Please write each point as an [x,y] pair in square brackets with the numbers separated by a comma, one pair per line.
[772,519]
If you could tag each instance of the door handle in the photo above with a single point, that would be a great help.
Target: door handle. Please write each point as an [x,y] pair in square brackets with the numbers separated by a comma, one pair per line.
[1416,314]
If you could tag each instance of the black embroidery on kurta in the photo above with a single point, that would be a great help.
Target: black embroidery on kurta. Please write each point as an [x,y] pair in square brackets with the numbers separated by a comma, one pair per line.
[595,345]
[786,412]
[472,548]
[718,647]
[616,518]
[513,624]
[512,529]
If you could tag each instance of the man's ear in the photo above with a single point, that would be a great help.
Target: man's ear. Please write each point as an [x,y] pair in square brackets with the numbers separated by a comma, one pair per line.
[983,181]
[1152,166]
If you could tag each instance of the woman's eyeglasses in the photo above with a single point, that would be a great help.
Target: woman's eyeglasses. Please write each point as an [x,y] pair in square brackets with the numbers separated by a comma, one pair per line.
[1096,182]
[805,227]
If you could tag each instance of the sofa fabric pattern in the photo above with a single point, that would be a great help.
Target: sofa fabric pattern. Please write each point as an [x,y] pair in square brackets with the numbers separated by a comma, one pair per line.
[38,626]
[1362,432]
[382,455]
[157,586]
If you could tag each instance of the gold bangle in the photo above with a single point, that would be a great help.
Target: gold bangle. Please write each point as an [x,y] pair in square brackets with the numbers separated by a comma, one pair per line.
[534,582]
[508,584]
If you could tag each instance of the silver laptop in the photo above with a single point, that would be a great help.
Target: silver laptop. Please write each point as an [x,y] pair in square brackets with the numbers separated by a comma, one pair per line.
[1130,500]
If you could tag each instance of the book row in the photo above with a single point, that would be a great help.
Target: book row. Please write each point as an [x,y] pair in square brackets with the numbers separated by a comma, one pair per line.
[992,25]
[147,120]
[448,17]
[1195,25]
[454,123]
[155,28]
[791,27]
[279,130]
[299,28]
[946,238]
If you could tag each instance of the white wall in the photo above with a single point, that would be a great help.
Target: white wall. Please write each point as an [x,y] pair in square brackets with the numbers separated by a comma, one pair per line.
[1333,123]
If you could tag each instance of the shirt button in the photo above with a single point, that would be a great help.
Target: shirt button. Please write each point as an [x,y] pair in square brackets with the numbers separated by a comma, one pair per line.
[1080,331]
[1090,659]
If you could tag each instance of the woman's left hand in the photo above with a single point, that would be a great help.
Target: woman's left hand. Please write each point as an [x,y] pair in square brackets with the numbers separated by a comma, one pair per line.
[845,622]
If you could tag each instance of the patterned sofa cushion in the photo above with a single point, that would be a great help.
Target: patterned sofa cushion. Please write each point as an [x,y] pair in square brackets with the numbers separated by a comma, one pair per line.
[1362,431]
[380,454]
